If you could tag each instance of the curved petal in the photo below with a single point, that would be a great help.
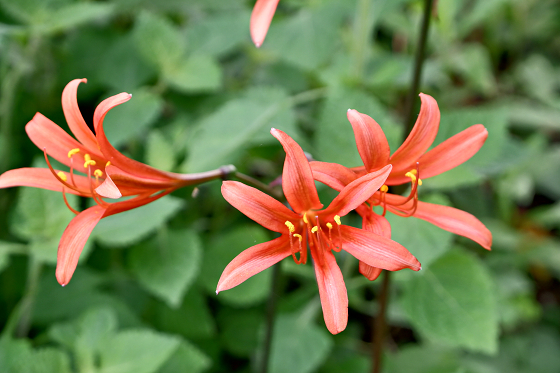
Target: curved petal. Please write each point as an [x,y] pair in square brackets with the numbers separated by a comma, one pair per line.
[41,178]
[73,240]
[377,251]
[455,221]
[252,261]
[370,139]
[112,154]
[369,272]
[297,178]
[47,135]
[334,299]
[259,206]
[334,175]
[260,19]
[447,155]
[421,137]
[108,189]
[74,117]
[357,192]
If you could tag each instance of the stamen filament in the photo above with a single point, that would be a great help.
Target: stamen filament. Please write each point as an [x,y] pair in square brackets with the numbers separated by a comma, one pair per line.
[66,202]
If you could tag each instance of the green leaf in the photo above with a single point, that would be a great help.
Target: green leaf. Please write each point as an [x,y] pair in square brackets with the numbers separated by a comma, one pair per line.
[17,356]
[240,331]
[131,226]
[195,74]
[167,265]
[423,359]
[76,14]
[453,303]
[305,343]
[223,136]
[131,119]
[137,351]
[158,41]
[220,251]
[187,358]
[159,151]
[335,138]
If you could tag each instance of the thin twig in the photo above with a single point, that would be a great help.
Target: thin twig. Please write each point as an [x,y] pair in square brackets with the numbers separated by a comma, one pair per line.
[258,184]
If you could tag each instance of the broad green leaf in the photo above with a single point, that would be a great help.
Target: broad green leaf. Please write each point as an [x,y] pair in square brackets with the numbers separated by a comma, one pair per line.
[187,358]
[167,265]
[158,41]
[194,74]
[137,351]
[131,226]
[218,35]
[131,119]
[76,14]
[220,251]
[453,303]
[423,359]
[306,344]
[240,331]
[474,63]
[159,151]
[307,39]
[32,11]
[335,141]
[7,248]
[17,356]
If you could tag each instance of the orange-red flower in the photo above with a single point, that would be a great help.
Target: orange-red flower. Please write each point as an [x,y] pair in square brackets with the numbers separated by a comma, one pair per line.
[308,225]
[262,14]
[410,162]
[109,173]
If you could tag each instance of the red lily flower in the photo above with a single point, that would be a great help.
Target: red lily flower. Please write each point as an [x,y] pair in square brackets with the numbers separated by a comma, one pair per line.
[262,14]
[307,225]
[410,161]
[109,173]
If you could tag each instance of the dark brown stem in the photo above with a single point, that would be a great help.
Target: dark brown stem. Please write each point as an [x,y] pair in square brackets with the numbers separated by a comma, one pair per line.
[270,313]
[259,185]
[379,325]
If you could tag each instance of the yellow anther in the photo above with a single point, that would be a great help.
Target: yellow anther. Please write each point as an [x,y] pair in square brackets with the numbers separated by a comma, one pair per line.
[411,176]
[298,236]
[337,219]
[87,157]
[90,162]
[98,173]
[419,181]
[62,176]
[314,229]
[290,226]
[108,164]
[414,172]
[72,152]
[384,188]
[329,225]
[305,219]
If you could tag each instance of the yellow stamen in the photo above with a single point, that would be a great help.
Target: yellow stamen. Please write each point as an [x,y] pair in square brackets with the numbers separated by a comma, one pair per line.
[329,225]
[314,229]
[108,164]
[337,219]
[98,173]
[298,236]
[384,188]
[62,176]
[72,152]
[305,219]
[419,181]
[414,172]
[411,176]
[89,163]
[290,226]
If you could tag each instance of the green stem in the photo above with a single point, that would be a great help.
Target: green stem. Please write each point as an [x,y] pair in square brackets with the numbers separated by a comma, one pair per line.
[258,184]
[379,324]
[270,316]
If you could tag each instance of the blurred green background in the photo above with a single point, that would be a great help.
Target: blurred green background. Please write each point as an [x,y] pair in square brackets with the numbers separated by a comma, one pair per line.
[143,297]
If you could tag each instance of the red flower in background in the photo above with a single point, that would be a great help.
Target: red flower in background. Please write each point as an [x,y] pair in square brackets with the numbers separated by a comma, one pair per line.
[307,225]
[109,173]
[410,162]
[262,14]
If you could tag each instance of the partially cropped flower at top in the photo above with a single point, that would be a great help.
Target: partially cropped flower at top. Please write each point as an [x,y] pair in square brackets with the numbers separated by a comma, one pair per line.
[109,173]
[308,225]
[261,18]
[410,162]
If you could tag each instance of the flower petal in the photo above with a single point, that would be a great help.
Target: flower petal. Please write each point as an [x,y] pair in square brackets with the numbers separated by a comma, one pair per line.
[370,139]
[447,155]
[334,175]
[377,251]
[420,139]
[455,221]
[261,18]
[73,240]
[74,117]
[259,206]
[47,135]
[377,224]
[252,261]
[369,272]
[112,154]
[40,178]
[108,189]
[357,192]
[334,299]
[297,178]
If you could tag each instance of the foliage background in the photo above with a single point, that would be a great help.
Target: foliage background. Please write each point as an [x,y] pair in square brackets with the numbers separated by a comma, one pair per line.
[143,298]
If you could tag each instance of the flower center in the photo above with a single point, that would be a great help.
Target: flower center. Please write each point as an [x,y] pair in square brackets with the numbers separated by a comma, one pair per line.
[403,208]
